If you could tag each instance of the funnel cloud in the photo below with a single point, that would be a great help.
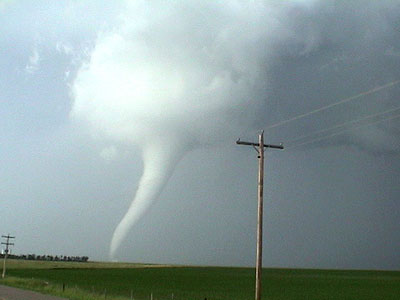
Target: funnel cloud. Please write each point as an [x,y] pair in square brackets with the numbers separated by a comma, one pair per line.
[172,78]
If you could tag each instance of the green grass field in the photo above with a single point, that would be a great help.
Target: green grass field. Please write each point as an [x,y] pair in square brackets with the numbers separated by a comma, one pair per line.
[91,280]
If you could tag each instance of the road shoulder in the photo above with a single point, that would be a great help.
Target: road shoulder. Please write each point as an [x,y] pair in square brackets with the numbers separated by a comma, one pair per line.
[11,293]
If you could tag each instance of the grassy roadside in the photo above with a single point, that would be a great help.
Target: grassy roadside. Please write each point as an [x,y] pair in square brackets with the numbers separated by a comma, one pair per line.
[73,292]
[50,288]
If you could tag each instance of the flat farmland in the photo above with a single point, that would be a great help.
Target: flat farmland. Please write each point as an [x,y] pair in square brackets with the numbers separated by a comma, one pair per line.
[126,281]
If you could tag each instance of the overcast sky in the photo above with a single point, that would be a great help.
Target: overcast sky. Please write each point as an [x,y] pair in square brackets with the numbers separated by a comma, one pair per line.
[91,89]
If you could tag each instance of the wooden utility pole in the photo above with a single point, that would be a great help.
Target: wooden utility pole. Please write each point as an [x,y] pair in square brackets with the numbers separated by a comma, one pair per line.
[7,243]
[260,149]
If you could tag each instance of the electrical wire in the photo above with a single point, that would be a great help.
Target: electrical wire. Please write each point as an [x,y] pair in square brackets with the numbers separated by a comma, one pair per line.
[346,100]
[345,124]
[341,131]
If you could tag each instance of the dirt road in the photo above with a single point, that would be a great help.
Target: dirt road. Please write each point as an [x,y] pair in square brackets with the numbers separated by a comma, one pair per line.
[9,293]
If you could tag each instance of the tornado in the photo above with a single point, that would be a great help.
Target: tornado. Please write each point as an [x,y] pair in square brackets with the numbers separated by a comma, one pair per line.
[169,79]
[159,160]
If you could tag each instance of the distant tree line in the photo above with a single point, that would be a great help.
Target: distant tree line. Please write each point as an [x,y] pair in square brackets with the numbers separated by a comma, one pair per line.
[48,257]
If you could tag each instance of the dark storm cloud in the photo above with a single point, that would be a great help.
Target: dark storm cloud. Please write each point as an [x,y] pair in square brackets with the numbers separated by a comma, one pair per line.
[338,50]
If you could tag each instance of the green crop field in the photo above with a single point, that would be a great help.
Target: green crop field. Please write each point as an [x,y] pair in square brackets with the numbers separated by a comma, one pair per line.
[123,281]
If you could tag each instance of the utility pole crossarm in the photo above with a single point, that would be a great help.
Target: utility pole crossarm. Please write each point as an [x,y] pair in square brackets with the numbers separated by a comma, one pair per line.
[280,146]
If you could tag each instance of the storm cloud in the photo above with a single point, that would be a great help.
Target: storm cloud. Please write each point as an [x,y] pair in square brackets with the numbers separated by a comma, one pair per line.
[177,76]
[139,101]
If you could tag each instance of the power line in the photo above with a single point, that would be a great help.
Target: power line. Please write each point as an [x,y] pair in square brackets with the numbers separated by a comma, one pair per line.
[346,100]
[341,131]
[343,125]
